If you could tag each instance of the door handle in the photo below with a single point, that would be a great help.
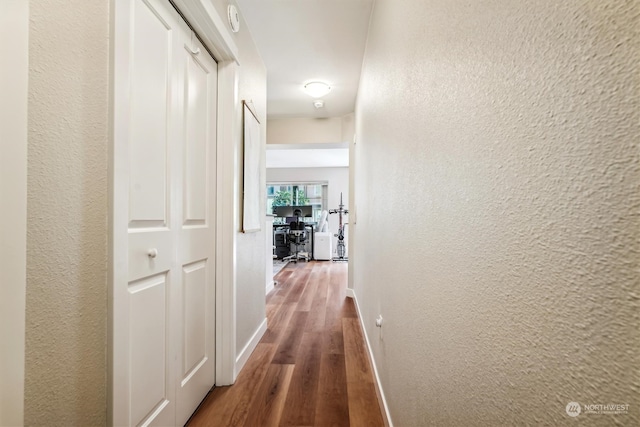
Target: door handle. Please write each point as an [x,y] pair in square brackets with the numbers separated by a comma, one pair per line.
[152,253]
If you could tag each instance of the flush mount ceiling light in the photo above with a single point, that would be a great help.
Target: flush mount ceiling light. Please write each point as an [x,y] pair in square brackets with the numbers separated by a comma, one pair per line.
[317,89]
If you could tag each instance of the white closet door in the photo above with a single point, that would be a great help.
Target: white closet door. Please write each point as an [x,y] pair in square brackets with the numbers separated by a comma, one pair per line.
[163,334]
[196,256]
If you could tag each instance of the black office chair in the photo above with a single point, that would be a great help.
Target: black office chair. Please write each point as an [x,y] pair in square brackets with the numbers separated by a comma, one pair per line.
[298,237]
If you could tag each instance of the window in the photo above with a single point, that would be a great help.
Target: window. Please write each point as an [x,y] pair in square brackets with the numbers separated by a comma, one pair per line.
[295,194]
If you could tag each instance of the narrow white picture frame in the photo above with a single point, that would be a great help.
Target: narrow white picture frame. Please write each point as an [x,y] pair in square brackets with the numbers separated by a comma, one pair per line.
[251,170]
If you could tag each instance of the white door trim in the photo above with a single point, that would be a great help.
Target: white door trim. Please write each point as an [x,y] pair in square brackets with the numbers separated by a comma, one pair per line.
[207,23]
[119,24]
[14,75]
[227,224]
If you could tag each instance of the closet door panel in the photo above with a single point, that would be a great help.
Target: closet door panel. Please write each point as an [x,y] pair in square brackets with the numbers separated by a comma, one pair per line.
[197,230]
[144,312]
[149,104]
[197,146]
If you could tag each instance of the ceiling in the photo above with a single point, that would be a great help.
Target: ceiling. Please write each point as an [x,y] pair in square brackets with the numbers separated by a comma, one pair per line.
[307,40]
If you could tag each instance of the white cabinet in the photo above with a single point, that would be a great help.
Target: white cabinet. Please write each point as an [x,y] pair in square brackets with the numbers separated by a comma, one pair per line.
[322,246]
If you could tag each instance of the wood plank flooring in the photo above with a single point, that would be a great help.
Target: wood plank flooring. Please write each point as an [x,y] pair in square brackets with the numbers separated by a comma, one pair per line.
[311,366]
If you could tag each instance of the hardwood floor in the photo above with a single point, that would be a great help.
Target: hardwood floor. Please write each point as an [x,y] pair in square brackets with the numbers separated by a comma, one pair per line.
[311,366]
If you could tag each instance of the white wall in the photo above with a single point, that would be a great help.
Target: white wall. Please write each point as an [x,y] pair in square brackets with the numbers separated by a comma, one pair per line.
[251,304]
[250,265]
[338,180]
[14,71]
[66,316]
[331,130]
[504,134]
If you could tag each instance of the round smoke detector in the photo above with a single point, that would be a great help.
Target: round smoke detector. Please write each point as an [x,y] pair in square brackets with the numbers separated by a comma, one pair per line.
[234,18]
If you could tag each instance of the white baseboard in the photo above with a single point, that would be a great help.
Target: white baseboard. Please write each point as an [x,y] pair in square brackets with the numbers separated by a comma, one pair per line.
[352,294]
[384,408]
[251,345]
[270,286]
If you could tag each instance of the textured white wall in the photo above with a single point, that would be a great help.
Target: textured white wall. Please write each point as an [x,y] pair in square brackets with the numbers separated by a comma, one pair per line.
[348,128]
[67,213]
[504,136]
[14,72]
